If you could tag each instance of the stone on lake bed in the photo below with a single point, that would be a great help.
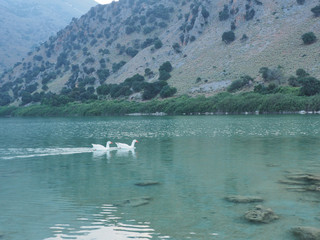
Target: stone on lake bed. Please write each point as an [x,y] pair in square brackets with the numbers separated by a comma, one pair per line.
[306,233]
[261,214]
[134,202]
[145,184]
[243,199]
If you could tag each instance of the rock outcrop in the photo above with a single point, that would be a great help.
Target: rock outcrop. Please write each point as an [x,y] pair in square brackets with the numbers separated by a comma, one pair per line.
[306,233]
[261,214]
[243,199]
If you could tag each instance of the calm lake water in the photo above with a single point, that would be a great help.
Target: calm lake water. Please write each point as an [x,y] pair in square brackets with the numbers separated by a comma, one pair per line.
[52,186]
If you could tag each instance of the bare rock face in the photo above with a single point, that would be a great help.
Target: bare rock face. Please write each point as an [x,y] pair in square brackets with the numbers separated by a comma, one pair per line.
[306,233]
[243,199]
[261,214]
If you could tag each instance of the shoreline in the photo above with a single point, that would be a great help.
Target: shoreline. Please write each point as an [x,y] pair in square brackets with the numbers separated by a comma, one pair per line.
[220,104]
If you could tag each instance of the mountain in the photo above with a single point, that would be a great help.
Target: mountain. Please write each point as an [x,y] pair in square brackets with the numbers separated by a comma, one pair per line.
[24,24]
[195,46]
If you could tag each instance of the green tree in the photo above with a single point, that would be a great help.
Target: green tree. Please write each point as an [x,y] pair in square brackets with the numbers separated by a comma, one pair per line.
[164,75]
[157,44]
[309,38]
[310,86]
[228,37]
[166,66]
[316,11]
[167,91]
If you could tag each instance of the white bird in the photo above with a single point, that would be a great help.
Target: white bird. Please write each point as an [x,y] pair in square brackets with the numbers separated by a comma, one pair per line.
[126,146]
[99,147]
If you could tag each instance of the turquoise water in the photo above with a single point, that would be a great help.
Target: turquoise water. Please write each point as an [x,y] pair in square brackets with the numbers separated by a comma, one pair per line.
[52,186]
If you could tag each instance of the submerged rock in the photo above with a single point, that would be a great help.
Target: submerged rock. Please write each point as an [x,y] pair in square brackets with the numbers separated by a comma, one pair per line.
[261,214]
[306,233]
[302,182]
[134,202]
[144,184]
[243,199]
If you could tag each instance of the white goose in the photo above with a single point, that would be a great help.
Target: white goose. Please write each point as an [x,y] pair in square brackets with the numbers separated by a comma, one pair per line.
[126,146]
[98,147]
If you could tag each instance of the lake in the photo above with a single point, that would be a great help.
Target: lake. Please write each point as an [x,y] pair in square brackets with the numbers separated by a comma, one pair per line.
[172,186]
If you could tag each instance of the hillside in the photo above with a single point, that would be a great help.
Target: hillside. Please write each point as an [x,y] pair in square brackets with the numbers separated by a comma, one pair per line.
[112,43]
[24,24]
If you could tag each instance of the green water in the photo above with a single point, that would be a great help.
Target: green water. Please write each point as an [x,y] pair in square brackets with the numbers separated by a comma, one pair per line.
[52,186]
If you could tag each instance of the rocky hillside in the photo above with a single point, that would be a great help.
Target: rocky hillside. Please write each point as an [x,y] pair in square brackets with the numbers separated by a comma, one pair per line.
[207,43]
[24,24]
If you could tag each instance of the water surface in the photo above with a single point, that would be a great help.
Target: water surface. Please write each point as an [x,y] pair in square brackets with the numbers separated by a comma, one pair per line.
[52,186]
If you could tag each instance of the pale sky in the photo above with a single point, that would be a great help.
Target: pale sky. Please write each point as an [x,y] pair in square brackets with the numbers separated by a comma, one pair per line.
[104,1]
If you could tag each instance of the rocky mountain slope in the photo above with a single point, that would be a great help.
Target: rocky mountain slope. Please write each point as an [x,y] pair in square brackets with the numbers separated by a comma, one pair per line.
[112,43]
[24,24]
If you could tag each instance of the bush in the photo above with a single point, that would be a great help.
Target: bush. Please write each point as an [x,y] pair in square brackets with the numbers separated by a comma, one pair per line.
[117,66]
[164,75]
[176,47]
[301,73]
[228,37]
[167,91]
[103,74]
[293,81]
[205,13]
[166,66]
[309,38]
[238,84]
[301,2]
[157,44]
[271,74]
[316,11]
[5,99]
[152,89]
[224,14]
[249,14]
[131,51]
[310,86]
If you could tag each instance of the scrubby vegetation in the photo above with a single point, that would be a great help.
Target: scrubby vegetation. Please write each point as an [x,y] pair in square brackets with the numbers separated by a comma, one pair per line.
[228,37]
[220,103]
[309,38]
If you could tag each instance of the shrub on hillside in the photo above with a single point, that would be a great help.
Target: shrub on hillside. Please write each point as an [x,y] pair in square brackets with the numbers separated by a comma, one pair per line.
[228,37]
[176,47]
[164,75]
[131,51]
[166,66]
[310,86]
[249,14]
[238,84]
[205,13]
[157,44]
[293,81]
[316,11]
[224,14]
[167,91]
[301,73]
[309,38]
[271,74]
[103,74]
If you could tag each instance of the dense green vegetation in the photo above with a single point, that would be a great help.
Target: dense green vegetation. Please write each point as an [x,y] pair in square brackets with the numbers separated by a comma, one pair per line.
[220,103]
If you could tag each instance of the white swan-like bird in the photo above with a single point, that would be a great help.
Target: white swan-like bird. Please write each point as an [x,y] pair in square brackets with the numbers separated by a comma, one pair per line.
[126,146]
[99,147]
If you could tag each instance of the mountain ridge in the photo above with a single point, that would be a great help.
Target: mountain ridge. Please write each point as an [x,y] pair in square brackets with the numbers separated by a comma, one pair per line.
[113,42]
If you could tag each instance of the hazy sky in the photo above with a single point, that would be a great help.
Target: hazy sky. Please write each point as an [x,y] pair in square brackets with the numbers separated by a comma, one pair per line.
[104,1]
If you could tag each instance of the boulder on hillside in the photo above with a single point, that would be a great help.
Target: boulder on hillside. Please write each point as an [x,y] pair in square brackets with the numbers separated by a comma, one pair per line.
[261,214]
[306,233]
[243,199]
